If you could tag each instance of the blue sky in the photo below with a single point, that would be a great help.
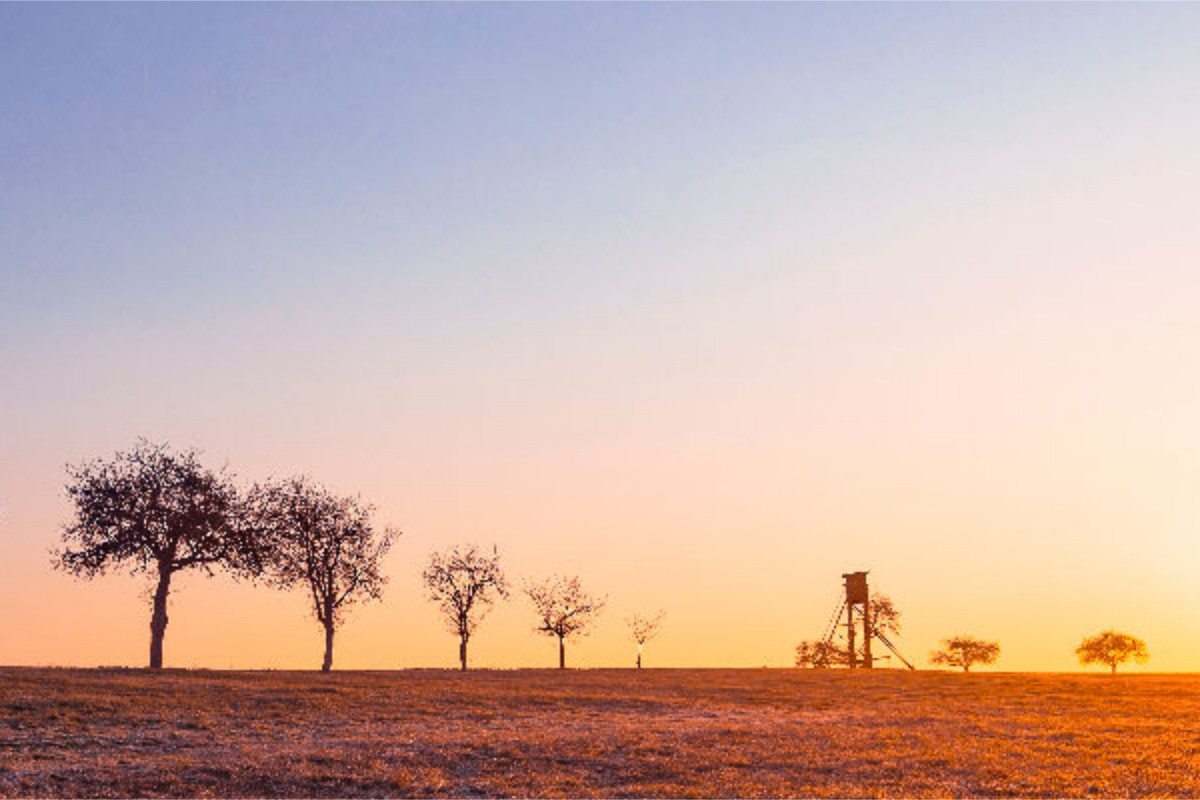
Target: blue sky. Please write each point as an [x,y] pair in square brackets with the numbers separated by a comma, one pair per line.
[196,150]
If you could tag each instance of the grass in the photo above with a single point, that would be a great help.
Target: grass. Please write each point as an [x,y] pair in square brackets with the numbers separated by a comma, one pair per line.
[603,733]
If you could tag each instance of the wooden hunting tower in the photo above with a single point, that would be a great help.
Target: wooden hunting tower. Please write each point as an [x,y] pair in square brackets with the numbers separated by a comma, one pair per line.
[858,596]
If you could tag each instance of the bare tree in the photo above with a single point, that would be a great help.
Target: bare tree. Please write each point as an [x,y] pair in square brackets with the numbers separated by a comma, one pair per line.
[885,617]
[1111,649]
[156,511]
[643,629]
[965,652]
[819,654]
[325,543]
[465,583]
[564,610]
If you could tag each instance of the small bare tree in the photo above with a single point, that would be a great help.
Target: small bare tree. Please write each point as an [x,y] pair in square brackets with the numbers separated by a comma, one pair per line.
[885,617]
[157,511]
[964,652]
[465,583]
[820,654]
[564,610]
[1111,649]
[643,629]
[325,543]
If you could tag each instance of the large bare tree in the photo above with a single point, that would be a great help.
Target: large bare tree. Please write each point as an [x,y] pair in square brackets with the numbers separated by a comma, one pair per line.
[564,610]
[324,543]
[157,512]
[465,582]
[642,629]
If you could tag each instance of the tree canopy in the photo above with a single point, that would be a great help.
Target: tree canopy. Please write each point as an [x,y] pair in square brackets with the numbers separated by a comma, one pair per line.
[885,617]
[964,652]
[820,654]
[1111,649]
[151,507]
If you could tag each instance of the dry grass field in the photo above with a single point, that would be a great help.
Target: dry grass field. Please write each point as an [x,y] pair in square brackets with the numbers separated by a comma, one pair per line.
[609,733]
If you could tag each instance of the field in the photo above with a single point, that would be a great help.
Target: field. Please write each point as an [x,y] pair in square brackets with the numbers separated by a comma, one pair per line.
[605,733]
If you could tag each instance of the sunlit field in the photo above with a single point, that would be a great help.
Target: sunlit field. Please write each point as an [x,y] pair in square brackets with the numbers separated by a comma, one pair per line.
[606,733]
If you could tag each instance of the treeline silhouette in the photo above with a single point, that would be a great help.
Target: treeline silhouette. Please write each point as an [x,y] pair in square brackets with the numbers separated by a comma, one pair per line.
[157,511]
[1109,648]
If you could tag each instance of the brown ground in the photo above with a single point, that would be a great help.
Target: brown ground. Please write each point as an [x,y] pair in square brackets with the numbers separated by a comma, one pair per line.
[609,733]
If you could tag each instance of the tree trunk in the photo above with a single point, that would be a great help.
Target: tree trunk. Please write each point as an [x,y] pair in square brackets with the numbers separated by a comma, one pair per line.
[158,619]
[562,653]
[639,659]
[462,654]
[328,662]
[1114,668]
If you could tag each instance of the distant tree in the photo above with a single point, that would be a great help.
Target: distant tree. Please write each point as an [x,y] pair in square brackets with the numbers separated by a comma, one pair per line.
[325,543]
[155,511]
[465,583]
[820,654]
[965,652]
[564,610]
[1111,648]
[643,629]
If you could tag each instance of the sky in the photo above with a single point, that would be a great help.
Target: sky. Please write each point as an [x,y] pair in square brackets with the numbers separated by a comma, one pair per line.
[706,304]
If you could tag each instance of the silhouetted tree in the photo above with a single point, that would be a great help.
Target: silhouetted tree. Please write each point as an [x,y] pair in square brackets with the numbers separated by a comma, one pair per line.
[155,511]
[1111,648]
[885,617]
[818,654]
[464,583]
[323,542]
[643,629]
[564,610]
[965,652]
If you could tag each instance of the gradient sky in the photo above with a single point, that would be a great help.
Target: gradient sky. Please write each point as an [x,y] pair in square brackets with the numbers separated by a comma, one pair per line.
[705,303]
